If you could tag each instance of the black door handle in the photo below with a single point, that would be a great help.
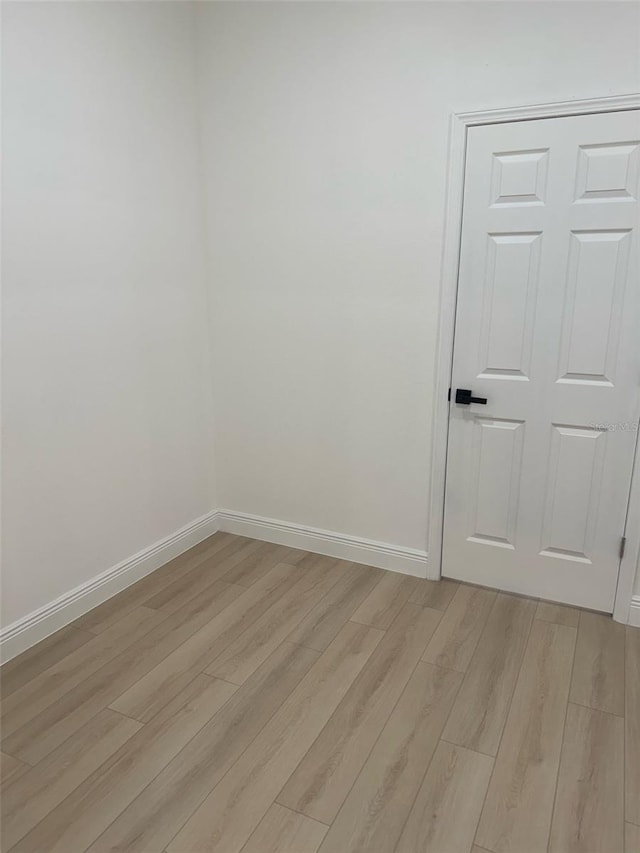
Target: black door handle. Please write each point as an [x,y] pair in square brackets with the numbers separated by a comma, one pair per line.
[464,398]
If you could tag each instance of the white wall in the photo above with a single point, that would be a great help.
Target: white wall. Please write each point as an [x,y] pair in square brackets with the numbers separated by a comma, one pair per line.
[106,391]
[325,126]
[324,132]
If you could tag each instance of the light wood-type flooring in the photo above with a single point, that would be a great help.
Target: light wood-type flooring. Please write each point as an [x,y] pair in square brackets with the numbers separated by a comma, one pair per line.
[251,697]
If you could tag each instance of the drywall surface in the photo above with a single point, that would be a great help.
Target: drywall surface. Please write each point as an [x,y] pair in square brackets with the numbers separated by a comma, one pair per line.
[106,389]
[325,129]
[319,181]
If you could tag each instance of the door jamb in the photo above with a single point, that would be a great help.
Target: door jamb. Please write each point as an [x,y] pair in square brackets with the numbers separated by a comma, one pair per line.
[458,126]
[627,605]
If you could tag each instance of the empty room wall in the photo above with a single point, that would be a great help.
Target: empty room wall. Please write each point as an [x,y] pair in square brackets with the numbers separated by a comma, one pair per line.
[106,391]
[325,128]
[300,147]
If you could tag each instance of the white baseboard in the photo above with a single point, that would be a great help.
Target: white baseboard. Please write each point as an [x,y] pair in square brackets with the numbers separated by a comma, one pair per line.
[634,611]
[407,561]
[29,630]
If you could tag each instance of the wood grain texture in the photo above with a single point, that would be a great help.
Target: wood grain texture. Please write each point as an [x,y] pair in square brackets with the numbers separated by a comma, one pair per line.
[517,812]
[374,813]
[589,808]
[446,810]
[179,594]
[385,600]
[63,718]
[456,638]
[632,726]
[229,815]
[334,716]
[322,624]
[631,838]
[598,672]
[95,803]
[480,710]
[25,667]
[284,831]
[254,567]
[242,657]
[10,769]
[112,610]
[558,613]
[220,566]
[324,777]
[37,792]
[152,819]
[435,594]
[56,682]
[173,672]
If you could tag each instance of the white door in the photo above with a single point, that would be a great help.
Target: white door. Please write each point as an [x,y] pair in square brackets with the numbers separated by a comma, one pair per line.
[548,331]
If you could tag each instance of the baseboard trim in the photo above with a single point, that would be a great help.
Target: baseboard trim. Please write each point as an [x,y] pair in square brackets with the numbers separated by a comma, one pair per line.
[634,611]
[407,561]
[34,627]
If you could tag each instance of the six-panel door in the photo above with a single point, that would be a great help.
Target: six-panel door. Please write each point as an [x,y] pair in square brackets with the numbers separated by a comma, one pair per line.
[548,330]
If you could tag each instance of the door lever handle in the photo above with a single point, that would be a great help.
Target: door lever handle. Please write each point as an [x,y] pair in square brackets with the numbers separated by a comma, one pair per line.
[464,398]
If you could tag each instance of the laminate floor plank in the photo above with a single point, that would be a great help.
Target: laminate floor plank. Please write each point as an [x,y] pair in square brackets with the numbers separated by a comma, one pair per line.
[242,657]
[374,813]
[106,614]
[10,769]
[249,697]
[435,594]
[36,793]
[231,812]
[589,808]
[385,600]
[25,667]
[256,565]
[216,542]
[153,690]
[284,831]
[631,838]
[35,696]
[322,624]
[210,569]
[79,819]
[324,777]
[516,816]
[598,672]
[480,710]
[561,614]
[180,594]
[40,735]
[153,818]
[457,635]
[632,726]
[445,813]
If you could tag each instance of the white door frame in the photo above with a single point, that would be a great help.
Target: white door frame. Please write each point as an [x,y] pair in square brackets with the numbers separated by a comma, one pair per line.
[458,126]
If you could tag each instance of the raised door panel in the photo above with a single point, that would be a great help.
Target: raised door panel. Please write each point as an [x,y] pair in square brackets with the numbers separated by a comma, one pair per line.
[594,302]
[607,172]
[519,177]
[496,467]
[508,305]
[572,494]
